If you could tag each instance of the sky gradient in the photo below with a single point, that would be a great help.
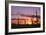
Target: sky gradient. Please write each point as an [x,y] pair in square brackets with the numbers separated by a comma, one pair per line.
[24,10]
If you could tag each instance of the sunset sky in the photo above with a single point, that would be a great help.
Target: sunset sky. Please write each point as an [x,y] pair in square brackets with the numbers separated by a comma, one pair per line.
[16,10]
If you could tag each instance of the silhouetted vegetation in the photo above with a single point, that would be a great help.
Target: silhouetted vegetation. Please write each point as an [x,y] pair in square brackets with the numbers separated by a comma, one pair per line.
[25,26]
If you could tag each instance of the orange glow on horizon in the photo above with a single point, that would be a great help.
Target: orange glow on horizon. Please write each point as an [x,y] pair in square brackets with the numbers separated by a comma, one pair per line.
[26,20]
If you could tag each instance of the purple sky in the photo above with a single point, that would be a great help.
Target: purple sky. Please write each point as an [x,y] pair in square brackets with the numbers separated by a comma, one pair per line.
[24,10]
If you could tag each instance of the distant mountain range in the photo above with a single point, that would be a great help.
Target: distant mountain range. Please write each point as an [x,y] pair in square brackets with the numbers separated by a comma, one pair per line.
[28,16]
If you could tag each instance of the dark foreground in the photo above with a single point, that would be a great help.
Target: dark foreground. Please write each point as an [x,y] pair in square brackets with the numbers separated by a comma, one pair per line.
[13,26]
